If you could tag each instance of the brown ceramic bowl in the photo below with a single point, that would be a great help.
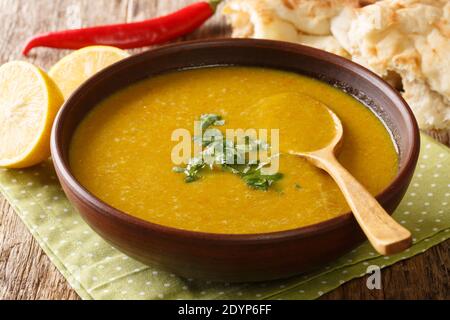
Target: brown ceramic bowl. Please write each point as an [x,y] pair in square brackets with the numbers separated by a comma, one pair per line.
[226,257]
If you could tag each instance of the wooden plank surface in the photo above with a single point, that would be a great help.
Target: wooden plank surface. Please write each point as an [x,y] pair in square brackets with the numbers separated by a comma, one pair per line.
[27,273]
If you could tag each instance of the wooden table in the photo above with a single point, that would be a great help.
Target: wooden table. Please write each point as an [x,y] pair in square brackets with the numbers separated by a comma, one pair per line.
[27,273]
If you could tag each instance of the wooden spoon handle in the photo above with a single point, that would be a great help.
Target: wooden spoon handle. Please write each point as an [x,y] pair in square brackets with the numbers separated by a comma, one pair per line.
[384,233]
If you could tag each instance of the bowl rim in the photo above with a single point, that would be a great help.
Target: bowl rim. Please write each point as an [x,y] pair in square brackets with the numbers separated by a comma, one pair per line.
[80,192]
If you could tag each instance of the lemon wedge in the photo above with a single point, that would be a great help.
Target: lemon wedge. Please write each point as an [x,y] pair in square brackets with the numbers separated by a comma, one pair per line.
[71,71]
[29,102]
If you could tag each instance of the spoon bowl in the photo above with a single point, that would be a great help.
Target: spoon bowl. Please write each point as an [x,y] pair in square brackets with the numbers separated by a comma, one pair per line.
[384,233]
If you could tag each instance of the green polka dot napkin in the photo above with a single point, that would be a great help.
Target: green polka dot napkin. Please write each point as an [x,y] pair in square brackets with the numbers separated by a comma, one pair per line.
[98,271]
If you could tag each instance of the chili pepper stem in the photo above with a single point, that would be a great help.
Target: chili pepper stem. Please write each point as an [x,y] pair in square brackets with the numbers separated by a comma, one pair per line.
[214,4]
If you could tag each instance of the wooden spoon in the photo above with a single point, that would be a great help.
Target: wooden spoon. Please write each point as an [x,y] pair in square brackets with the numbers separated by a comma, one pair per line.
[384,233]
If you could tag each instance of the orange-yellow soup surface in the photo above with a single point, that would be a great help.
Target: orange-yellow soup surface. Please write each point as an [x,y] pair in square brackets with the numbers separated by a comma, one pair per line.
[121,152]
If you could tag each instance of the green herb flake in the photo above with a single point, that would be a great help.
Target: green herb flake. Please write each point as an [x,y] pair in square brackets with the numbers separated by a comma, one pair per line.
[208,120]
[250,172]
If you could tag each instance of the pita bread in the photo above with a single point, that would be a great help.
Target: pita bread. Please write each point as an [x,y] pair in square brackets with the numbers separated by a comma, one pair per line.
[410,38]
[301,21]
[407,40]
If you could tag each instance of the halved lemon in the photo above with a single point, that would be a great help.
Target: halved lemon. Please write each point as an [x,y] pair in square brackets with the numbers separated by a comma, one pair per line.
[29,102]
[71,71]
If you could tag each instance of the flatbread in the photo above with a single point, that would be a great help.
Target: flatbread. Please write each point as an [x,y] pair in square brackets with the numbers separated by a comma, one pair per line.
[410,38]
[405,41]
[300,21]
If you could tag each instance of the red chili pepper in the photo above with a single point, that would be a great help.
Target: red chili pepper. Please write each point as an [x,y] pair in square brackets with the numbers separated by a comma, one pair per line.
[130,35]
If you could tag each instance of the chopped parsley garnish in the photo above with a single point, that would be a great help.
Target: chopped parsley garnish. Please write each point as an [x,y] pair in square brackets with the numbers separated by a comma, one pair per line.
[228,156]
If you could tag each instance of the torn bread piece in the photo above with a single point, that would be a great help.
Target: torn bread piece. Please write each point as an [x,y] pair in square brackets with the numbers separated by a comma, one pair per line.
[301,21]
[407,42]
[410,38]
[431,109]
